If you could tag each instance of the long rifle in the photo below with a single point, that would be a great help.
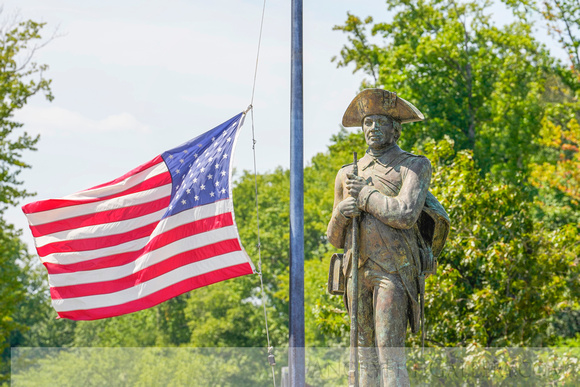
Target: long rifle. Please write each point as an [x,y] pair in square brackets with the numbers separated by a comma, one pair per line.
[353,368]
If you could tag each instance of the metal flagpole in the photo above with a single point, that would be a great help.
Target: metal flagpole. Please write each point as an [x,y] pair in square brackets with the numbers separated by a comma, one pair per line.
[296,355]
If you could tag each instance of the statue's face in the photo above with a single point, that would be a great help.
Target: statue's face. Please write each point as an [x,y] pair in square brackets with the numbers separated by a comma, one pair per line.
[379,131]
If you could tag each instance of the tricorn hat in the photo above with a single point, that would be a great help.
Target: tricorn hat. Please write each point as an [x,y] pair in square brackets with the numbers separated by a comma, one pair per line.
[383,102]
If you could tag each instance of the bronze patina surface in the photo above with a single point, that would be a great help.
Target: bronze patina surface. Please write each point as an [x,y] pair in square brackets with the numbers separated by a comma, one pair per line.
[401,226]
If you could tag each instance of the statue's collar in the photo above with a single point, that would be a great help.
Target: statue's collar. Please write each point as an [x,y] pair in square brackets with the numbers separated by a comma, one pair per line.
[384,159]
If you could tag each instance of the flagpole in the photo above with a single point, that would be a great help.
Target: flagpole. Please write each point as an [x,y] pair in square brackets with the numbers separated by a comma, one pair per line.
[296,355]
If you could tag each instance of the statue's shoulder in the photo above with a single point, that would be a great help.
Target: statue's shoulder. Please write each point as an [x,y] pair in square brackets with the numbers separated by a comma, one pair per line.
[409,154]
[412,158]
[346,168]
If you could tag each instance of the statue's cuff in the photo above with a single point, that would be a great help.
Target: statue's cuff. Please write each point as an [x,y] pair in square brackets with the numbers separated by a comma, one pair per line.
[364,195]
[340,218]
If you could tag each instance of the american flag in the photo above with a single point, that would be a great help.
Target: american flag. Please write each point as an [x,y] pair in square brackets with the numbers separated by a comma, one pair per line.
[161,230]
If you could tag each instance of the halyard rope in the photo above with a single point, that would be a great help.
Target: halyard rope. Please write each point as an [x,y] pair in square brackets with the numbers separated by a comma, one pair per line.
[257,59]
[271,360]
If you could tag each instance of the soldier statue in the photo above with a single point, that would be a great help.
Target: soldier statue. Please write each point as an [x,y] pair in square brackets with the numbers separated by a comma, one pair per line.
[401,230]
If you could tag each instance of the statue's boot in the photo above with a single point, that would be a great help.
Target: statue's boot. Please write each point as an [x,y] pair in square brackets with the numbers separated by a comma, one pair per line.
[369,367]
[394,374]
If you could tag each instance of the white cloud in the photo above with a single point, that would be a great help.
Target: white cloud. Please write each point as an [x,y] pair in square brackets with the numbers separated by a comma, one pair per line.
[58,120]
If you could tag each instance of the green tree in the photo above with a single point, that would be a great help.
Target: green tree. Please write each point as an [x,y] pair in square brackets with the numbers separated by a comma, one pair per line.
[11,288]
[502,275]
[20,79]
[556,174]
[479,83]
[562,18]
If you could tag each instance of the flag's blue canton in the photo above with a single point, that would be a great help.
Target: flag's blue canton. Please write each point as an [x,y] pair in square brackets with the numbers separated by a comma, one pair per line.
[200,167]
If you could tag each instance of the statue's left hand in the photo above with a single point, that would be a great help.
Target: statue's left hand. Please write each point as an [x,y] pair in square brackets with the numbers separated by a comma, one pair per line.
[354,184]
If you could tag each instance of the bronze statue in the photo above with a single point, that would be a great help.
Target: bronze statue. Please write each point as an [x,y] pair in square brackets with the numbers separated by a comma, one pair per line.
[402,230]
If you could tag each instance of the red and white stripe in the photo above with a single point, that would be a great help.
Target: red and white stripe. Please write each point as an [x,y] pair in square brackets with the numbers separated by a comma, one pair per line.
[109,251]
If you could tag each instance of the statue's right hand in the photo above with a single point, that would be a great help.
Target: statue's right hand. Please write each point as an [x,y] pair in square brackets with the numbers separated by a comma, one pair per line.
[348,207]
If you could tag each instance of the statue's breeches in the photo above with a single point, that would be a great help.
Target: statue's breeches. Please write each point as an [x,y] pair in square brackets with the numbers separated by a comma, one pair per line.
[382,306]
[382,324]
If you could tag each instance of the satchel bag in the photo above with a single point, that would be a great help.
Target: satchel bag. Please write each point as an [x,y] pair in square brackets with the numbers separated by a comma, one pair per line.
[336,280]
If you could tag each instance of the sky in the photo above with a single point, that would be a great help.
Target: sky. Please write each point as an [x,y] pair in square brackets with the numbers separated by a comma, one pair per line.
[132,79]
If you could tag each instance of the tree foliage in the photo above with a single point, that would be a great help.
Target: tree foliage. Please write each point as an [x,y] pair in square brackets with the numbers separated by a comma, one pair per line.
[479,83]
[502,275]
[11,289]
[20,79]
[562,18]
[556,175]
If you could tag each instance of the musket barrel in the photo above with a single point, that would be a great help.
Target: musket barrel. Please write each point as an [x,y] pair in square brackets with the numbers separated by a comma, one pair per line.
[353,369]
